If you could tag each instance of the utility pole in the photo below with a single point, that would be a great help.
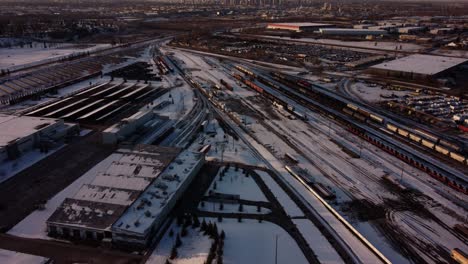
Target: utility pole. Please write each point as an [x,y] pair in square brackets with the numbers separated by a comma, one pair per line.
[402,170]
[360,148]
[276,249]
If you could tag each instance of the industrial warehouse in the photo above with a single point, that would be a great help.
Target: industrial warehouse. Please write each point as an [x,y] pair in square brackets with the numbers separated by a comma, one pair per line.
[19,134]
[299,27]
[129,198]
[419,66]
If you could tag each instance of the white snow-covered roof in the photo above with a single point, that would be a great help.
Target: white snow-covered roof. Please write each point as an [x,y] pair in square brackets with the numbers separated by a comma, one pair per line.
[102,194]
[17,127]
[125,182]
[12,257]
[99,204]
[141,215]
[421,64]
[299,24]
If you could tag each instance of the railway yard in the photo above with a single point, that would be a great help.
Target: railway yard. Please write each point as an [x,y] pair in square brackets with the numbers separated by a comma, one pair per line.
[183,149]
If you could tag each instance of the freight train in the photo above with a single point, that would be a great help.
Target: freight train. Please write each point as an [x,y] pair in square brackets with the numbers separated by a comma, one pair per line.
[319,188]
[450,149]
[418,136]
[303,93]
[225,84]
[251,84]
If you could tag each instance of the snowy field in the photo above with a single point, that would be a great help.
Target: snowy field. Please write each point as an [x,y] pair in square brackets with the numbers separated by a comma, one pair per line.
[11,257]
[247,242]
[326,254]
[374,94]
[34,225]
[17,57]
[235,182]
[288,205]
[194,249]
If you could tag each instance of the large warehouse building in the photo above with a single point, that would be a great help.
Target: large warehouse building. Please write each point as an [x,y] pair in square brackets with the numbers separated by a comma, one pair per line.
[19,134]
[299,27]
[128,198]
[419,66]
[352,32]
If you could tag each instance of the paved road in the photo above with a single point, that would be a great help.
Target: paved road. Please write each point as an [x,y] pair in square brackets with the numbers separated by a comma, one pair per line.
[66,253]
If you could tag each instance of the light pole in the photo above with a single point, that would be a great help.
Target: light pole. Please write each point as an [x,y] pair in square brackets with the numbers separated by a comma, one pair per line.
[402,170]
[276,249]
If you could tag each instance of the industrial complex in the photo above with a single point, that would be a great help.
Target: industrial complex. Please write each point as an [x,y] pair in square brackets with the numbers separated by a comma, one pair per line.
[143,132]
[127,201]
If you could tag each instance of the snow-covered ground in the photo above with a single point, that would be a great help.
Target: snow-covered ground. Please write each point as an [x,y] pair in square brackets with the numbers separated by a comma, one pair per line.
[194,249]
[247,242]
[231,208]
[17,57]
[288,205]
[322,248]
[11,257]
[374,94]
[34,225]
[236,182]
[11,167]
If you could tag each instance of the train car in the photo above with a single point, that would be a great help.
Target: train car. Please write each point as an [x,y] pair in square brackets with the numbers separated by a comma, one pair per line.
[323,191]
[253,86]
[300,115]
[442,150]
[461,229]
[360,117]
[427,135]
[392,128]
[403,132]
[376,118]
[355,108]
[225,84]
[291,158]
[427,143]
[205,149]
[348,111]
[450,145]
[459,256]
[415,138]
[457,157]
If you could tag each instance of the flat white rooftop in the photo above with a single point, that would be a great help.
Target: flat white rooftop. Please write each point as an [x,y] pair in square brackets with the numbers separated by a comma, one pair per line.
[12,257]
[421,64]
[141,215]
[17,127]
[301,24]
